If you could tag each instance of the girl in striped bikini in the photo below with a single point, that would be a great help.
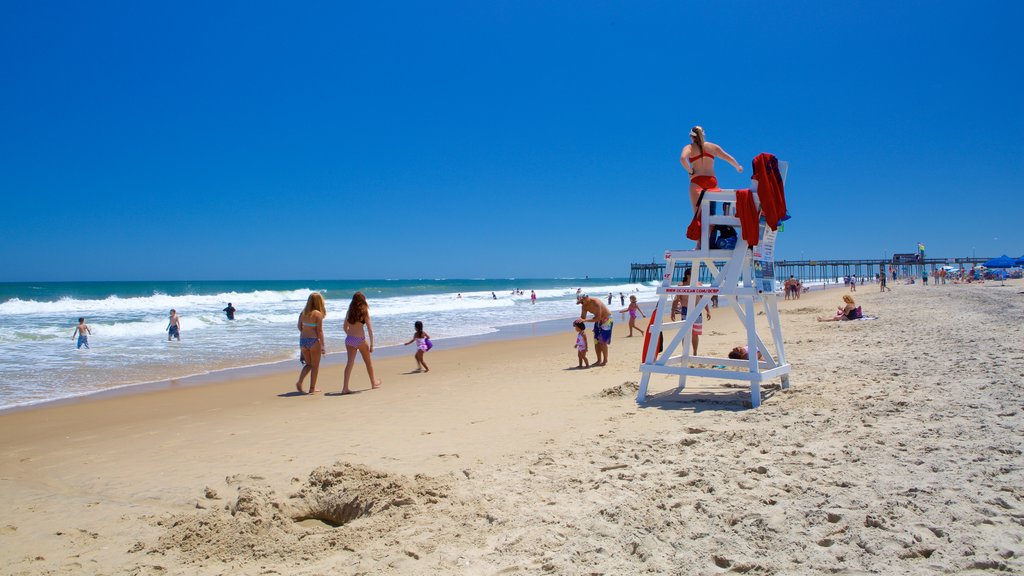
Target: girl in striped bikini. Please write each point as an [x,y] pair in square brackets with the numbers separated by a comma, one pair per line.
[357,318]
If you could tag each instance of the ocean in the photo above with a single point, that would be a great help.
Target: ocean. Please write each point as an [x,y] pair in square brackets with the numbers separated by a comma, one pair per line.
[39,361]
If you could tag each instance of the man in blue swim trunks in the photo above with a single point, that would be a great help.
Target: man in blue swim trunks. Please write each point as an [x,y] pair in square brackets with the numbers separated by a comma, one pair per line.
[602,326]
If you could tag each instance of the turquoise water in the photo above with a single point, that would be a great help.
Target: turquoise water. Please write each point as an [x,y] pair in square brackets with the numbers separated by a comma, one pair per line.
[39,360]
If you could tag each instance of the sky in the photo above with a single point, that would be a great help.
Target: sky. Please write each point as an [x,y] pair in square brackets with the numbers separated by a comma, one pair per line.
[491,139]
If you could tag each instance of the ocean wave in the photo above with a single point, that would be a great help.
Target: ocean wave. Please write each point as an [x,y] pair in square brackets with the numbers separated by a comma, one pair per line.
[157,301]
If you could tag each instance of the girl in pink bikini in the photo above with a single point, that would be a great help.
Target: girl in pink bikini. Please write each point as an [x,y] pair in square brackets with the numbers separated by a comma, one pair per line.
[698,158]
[633,310]
[356,320]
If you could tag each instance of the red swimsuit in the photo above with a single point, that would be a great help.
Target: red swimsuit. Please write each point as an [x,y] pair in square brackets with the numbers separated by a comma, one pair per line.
[705,182]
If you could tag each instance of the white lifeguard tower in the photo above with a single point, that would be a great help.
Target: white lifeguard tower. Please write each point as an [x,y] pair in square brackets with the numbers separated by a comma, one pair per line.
[742,278]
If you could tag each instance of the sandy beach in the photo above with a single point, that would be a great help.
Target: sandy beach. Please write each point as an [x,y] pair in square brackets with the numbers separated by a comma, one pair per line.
[896,451]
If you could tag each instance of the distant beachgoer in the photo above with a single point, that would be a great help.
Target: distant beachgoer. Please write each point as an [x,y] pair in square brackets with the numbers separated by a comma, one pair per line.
[312,344]
[602,326]
[847,312]
[609,298]
[924,277]
[789,288]
[681,302]
[174,327]
[579,292]
[853,283]
[83,332]
[422,340]
[743,353]
[799,288]
[460,295]
[633,310]
[581,344]
[356,320]
[493,296]
[230,311]
[622,299]
[882,286]
[533,297]
[698,158]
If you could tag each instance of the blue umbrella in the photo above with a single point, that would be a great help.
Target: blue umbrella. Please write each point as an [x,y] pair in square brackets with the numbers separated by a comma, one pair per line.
[1003,261]
[1019,261]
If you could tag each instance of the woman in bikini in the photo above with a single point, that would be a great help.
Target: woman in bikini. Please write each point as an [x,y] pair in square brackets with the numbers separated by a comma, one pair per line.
[357,318]
[847,312]
[698,158]
[311,340]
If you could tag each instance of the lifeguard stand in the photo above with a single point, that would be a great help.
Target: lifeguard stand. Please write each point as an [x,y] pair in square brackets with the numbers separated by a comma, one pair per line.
[742,278]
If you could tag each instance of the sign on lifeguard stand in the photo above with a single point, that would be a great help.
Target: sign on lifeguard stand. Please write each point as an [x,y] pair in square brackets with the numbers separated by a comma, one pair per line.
[742,278]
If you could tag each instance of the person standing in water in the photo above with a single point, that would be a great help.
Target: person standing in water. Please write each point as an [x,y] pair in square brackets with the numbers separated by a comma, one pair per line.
[230,311]
[83,332]
[698,158]
[174,326]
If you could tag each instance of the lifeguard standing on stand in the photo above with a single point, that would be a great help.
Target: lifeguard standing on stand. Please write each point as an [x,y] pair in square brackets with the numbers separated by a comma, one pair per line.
[698,158]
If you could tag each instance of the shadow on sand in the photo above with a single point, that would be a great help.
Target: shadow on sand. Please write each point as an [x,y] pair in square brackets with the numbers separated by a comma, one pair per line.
[730,398]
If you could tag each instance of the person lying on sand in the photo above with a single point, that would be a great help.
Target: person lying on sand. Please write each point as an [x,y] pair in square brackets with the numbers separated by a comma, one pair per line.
[742,353]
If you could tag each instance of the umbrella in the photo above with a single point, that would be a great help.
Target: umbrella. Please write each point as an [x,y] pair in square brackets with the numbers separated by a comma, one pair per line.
[1003,261]
[1019,261]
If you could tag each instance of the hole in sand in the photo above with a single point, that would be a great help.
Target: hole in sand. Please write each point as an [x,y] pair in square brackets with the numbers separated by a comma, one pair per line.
[343,493]
[314,524]
[335,511]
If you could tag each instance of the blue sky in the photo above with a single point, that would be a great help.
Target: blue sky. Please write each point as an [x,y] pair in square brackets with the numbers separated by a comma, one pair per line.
[258,140]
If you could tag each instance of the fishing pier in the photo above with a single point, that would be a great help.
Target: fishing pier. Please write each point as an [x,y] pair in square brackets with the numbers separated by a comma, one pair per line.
[823,270]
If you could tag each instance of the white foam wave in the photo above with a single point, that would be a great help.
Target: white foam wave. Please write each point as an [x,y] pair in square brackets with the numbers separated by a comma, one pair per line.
[113,304]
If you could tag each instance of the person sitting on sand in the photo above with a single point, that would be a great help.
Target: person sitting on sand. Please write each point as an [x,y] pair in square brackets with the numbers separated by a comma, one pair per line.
[847,312]
[633,310]
[356,320]
[602,326]
[698,158]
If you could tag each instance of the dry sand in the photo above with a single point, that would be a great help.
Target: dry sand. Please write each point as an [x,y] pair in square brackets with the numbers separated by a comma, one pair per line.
[897,450]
